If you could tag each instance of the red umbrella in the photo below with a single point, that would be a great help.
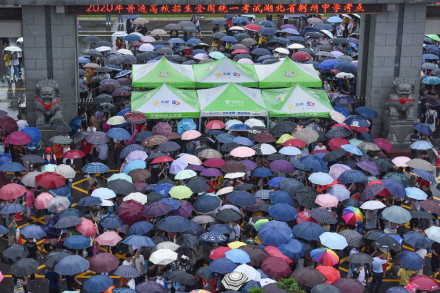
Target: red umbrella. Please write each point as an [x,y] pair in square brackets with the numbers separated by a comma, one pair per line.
[162,160]
[50,180]
[341,125]
[294,142]
[214,163]
[360,129]
[215,124]
[301,56]
[330,273]
[275,267]
[8,124]
[130,212]
[349,285]
[337,142]
[304,216]
[264,137]
[86,228]
[135,117]
[252,27]
[104,262]
[73,154]
[219,252]
[424,283]
[384,144]
[18,138]
[274,251]
[12,191]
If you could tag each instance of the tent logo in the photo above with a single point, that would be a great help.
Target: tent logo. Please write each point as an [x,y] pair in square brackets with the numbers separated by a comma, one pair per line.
[174,102]
[289,74]
[181,94]
[164,74]
[147,96]
[209,67]
[227,74]
[281,97]
[156,103]
[310,104]
[291,107]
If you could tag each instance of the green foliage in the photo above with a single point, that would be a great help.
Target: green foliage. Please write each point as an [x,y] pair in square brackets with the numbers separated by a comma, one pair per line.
[256,290]
[290,285]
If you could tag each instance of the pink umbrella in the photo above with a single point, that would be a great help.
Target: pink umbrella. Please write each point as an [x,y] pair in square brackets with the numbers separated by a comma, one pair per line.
[384,144]
[104,262]
[146,48]
[42,200]
[1,277]
[327,200]
[215,124]
[86,228]
[242,152]
[236,28]
[214,163]
[274,251]
[110,238]
[301,56]
[337,169]
[18,138]
[338,117]
[12,191]
[201,56]
[245,61]
[162,128]
[136,155]
[401,161]
[190,134]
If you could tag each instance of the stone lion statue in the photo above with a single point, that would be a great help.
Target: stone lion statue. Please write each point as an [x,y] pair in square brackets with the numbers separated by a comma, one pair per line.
[401,103]
[48,102]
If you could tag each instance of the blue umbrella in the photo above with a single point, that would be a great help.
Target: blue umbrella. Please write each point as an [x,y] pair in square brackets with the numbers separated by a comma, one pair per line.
[207,204]
[111,221]
[124,290]
[194,229]
[123,73]
[83,60]
[275,233]
[367,137]
[95,167]
[314,163]
[89,201]
[5,158]
[213,237]
[282,40]
[431,80]
[421,145]
[75,124]
[133,165]
[77,242]
[367,112]
[296,39]
[34,133]
[429,57]
[140,228]
[173,203]
[119,133]
[225,138]
[334,19]
[356,120]
[229,39]
[173,224]
[240,127]
[261,52]
[417,240]
[275,182]
[185,124]
[176,41]
[424,174]
[411,260]
[239,20]
[280,197]
[347,67]
[138,240]
[163,188]
[12,208]
[309,29]
[308,231]
[293,249]
[123,112]
[98,283]
[262,172]
[249,285]
[325,26]
[12,167]
[351,176]
[33,231]
[132,38]
[432,49]
[220,228]
[263,193]
[192,42]
[130,148]
[242,198]
[422,128]
[198,51]
[352,149]
[72,265]
[342,110]
[415,193]
[222,265]
[283,212]
[328,64]
[3,230]
[243,141]
[298,165]
[139,138]
[62,191]
[267,31]
[227,16]
[394,186]
[238,256]
[219,21]
[290,31]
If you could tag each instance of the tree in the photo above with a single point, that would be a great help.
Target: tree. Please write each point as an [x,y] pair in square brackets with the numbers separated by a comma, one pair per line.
[256,290]
[290,285]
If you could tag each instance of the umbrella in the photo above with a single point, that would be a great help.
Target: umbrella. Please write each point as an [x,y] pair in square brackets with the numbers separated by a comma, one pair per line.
[109,238]
[306,197]
[15,252]
[150,287]
[411,260]
[182,277]
[12,167]
[163,256]
[50,180]
[283,212]
[95,167]
[58,204]
[349,285]
[222,265]
[24,267]
[417,239]
[353,238]
[242,198]
[33,231]
[12,209]
[324,288]
[275,233]
[389,241]
[111,221]
[324,256]
[77,242]
[323,215]
[333,240]
[396,214]
[424,283]
[72,265]
[126,271]
[359,258]
[275,267]
[173,224]
[233,281]
[214,237]
[308,276]
[103,262]
[98,283]
[308,231]
[228,215]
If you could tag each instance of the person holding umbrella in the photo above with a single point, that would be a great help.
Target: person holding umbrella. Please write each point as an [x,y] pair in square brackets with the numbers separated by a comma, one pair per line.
[377,267]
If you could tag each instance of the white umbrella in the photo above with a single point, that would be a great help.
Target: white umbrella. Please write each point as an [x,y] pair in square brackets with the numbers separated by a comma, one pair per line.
[147,47]
[119,34]
[20,40]
[344,75]
[267,149]
[125,52]
[106,203]
[225,190]
[137,196]
[167,245]
[66,171]
[252,122]
[191,159]
[29,179]
[13,49]
[203,219]
[372,205]
[163,257]
[433,233]
[327,33]
[58,204]
[104,193]
[282,51]
[295,46]
[249,271]
[234,175]
[116,120]
[48,168]
[103,49]
[185,174]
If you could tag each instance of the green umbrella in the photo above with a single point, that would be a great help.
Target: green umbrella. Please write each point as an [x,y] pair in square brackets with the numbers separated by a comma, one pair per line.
[185,174]
[180,192]
[356,142]
[433,37]
[120,176]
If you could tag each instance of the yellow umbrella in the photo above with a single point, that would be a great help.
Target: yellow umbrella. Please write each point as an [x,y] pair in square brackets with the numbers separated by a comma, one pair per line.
[236,244]
[284,138]
[180,192]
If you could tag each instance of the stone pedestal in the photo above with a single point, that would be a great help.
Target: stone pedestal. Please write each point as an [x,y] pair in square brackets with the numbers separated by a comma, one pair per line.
[46,135]
[397,132]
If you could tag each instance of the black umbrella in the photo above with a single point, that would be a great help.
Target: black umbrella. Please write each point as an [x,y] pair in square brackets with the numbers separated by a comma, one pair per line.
[33,159]
[204,272]
[384,164]
[334,155]
[169,146]
[338,132]
[360,258]
[126,271]
[290,185]
[188,240]
[129,59]
[120,186]
[182,277]
[104,43]
[198,185]
[228,215]
[67,222]
[421,215]
[323,215]
[387,241]
[92,39]
[15,251]
[156,155]
[219,35]
[55,256]
[154,197]
[80,136]
[142,57]
[306,197]
[92,52]
[244,186]
[103,70]
[24,267]
[283,127]
[103,98]
[276,156]
[373,234]
[351,202]
[227,147]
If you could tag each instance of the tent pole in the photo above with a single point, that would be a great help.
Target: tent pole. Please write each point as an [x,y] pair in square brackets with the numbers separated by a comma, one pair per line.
[267,119]
[200,124]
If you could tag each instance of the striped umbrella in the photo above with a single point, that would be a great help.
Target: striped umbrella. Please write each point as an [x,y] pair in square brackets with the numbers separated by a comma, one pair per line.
[324,256]
[351,215]
[234,280]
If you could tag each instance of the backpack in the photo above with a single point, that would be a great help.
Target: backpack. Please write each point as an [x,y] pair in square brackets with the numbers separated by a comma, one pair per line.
[430,118]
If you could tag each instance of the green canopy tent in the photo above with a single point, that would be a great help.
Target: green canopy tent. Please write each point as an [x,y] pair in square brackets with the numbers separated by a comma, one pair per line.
[155,74]
[166,102]
[231,100]
[286,74]
[297,101]
[224,71]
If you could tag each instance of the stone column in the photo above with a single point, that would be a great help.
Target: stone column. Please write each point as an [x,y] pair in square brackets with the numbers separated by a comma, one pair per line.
[391,47]
[49,42]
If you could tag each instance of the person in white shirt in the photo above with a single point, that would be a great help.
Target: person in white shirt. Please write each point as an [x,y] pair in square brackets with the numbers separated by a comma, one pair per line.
[320,146]
[377,268]
[21,123]
[422,253]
